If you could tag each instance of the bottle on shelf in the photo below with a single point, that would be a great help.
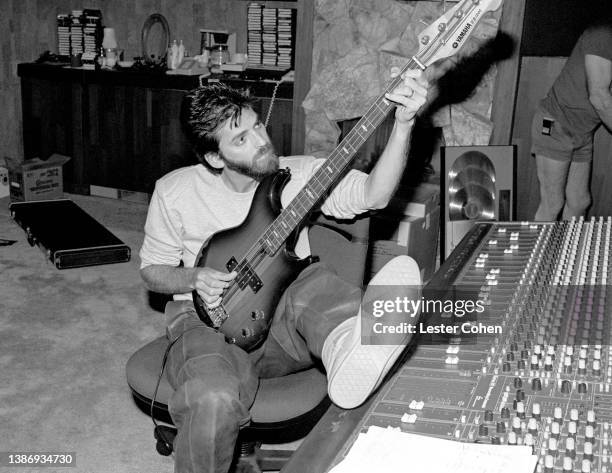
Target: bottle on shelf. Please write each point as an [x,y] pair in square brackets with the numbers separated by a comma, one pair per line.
[180,54]
[172,58]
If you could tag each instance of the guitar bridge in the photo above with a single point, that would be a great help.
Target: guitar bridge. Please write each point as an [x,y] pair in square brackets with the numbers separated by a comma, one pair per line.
[217,315]
[246,275]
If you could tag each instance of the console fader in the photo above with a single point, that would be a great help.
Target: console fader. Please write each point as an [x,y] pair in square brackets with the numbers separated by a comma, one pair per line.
[545,380]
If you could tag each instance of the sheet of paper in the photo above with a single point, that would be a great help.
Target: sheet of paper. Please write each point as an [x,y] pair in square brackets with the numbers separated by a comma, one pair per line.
[390,450]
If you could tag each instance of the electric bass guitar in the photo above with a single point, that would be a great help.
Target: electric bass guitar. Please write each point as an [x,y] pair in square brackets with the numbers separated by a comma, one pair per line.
[261,250]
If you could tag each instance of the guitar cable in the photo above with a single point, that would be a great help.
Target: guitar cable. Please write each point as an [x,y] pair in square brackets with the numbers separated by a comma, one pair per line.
[273,98]
[158,430]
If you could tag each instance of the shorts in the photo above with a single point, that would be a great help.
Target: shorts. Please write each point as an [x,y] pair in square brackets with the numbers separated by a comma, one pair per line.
[558,144]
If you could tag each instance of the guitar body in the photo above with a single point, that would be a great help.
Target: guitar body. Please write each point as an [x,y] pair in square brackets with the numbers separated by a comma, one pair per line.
[249,312]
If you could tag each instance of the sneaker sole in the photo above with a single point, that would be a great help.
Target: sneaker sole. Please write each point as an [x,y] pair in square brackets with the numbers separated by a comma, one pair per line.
[365,366]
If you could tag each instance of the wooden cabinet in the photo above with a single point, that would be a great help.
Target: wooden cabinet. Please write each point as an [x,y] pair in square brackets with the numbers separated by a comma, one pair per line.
[122,129]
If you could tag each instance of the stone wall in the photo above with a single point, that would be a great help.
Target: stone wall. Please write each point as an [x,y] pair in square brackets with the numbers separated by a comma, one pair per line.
[356,42]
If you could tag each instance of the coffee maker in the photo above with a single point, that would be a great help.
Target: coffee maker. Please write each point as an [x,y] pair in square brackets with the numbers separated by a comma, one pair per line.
[220,45]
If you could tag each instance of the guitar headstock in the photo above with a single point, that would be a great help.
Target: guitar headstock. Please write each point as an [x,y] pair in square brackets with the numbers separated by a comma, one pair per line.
[445,36]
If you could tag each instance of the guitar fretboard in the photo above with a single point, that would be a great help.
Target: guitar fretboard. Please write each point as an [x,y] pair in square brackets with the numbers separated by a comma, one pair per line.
[329,172]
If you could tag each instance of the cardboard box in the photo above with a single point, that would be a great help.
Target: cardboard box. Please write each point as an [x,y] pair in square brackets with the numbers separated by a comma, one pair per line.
[35,179]
[4,185]
[416,237]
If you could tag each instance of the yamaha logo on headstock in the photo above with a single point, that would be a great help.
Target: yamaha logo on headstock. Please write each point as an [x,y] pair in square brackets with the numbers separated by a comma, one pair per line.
[466,29]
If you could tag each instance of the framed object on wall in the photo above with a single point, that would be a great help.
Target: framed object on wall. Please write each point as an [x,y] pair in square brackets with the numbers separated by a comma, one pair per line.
[478,183]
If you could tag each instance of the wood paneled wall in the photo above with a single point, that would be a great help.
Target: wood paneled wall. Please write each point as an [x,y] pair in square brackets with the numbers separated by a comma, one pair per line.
[28,29]
[537,75]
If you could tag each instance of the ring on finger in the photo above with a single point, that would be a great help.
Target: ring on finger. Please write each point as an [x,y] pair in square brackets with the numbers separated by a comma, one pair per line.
[411,94]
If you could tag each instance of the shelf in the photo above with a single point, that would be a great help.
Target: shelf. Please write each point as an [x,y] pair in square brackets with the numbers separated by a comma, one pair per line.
[147,79]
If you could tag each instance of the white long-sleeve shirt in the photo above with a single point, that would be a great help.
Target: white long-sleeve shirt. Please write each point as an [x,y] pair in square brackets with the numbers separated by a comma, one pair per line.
[191,204]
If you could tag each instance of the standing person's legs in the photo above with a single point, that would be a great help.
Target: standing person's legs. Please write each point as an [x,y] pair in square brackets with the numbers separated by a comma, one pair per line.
[552,147]
[577,190]
[552,175]
[215,385]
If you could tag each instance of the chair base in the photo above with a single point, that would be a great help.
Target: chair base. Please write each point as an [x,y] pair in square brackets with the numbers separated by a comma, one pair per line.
[250,457]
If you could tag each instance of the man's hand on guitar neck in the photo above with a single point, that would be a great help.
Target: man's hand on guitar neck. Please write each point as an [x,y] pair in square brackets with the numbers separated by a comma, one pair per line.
[410,95]
[211,283]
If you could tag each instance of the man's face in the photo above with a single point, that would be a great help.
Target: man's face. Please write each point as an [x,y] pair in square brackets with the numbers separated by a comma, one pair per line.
[246,147]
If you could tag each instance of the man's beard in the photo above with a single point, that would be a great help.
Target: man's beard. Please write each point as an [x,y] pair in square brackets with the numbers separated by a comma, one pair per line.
[264,164]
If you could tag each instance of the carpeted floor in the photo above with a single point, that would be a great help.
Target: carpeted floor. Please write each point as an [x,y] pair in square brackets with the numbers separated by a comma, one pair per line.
[65,338]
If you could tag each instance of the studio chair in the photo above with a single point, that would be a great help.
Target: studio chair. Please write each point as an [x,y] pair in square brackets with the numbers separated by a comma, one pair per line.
[285,408]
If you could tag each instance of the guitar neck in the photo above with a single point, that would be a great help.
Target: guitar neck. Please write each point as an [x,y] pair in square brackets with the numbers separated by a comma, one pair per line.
[334,166]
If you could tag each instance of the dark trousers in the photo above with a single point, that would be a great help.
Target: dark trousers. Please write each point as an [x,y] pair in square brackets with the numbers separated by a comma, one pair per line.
[215,382]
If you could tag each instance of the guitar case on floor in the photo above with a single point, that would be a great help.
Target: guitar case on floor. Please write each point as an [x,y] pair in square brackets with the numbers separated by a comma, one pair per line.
[69,236]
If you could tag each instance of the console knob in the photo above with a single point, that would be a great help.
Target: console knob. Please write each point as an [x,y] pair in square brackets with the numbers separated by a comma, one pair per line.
[586,466]
[548,363]
[570,447]
[532,426]
[591,417]
[589,433]
[549,463]
[516,425]
[566,387]
[588,452]
[574,414]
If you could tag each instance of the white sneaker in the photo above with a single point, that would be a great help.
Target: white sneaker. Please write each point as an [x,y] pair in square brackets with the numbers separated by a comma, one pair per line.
[354,370]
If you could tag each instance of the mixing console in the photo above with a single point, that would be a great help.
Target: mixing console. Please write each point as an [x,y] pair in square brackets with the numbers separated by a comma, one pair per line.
[544,379]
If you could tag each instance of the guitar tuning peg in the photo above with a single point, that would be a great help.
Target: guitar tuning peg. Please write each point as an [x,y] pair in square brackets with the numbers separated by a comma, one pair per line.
[442,27]
[425,39]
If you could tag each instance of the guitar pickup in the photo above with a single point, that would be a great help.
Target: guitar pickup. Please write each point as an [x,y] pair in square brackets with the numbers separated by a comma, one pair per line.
[246,275]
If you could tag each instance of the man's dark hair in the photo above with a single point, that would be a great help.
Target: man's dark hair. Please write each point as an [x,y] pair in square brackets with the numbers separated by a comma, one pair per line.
[205,110]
